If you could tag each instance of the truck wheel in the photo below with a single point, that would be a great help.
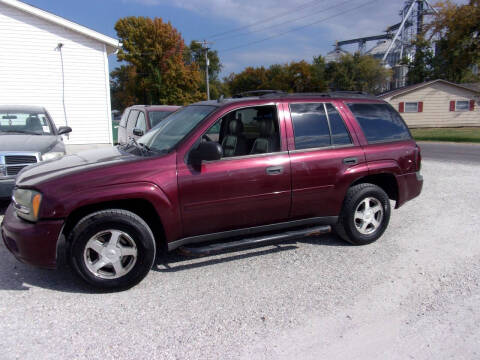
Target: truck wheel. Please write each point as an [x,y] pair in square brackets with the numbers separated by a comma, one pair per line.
[112,249]
[365,214]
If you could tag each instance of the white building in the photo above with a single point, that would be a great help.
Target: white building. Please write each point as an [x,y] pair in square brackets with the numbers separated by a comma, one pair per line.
[49,61]
[437,103]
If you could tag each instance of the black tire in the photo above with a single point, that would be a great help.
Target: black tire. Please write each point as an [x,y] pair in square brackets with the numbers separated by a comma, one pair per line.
[123,221]
[346,227]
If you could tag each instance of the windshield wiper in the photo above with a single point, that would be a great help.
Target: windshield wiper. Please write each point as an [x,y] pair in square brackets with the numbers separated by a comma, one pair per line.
[144,148]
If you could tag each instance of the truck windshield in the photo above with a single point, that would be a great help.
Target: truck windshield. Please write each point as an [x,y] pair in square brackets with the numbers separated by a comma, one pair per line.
[34,123]
[175,127]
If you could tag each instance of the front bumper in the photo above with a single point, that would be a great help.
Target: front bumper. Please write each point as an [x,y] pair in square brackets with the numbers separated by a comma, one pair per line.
[31,243]
[6,188]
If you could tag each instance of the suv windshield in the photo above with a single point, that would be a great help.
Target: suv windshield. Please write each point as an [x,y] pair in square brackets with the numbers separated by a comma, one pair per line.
[175,127]
[25,122]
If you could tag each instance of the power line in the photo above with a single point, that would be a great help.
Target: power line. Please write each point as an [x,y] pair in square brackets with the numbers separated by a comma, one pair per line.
[278,16]
[298,28]
[283,23]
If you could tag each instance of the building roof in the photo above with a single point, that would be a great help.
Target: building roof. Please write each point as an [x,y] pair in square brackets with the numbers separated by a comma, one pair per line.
[472,86]
[380,48]
[335,55]
[111,43]
[410,88]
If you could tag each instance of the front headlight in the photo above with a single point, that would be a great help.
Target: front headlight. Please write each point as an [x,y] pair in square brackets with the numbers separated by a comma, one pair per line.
[27,203]
[52,155]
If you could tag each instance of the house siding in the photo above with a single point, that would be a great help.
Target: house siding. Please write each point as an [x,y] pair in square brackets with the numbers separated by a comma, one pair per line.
[31,74]
[436,99]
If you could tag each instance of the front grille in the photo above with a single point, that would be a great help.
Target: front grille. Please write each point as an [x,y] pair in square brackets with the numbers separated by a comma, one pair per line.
[20,159]
[12,163]
[14,170]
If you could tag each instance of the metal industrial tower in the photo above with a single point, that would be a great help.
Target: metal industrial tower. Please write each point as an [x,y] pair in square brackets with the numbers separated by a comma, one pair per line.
[412,14]
[397,42]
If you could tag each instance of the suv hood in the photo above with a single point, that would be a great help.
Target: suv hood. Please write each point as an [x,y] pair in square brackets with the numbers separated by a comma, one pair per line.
[67,165]
[26,142]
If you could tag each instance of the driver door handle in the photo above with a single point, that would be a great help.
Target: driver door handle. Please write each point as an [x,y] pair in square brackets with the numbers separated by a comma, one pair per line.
[350,161]
[274,170]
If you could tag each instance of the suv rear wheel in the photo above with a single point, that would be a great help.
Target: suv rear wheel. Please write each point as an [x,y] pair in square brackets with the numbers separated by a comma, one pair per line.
[112,249]
[365,214]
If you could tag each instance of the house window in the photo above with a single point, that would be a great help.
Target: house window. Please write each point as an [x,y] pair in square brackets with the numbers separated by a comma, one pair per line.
[461,105]
[411,107]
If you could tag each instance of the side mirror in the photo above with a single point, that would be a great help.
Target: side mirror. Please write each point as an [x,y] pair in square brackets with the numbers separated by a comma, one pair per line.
[138,132]
[64,130]
[206,151]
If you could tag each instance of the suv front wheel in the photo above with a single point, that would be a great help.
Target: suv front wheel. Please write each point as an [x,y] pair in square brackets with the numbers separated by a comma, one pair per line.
[112,249]
[365,214]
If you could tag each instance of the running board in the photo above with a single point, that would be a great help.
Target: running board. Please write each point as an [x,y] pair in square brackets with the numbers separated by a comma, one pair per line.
[254,241]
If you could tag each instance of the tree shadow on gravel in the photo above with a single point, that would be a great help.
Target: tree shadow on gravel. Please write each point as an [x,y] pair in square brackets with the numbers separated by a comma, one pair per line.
[176,261]
[17,276]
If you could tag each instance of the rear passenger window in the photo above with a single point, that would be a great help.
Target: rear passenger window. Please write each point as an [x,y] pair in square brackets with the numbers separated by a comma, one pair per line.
[340,135]
[380,122]
[310,126]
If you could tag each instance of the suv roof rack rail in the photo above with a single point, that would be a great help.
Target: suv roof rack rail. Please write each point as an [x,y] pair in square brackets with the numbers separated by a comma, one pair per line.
[257,93]
[333,94]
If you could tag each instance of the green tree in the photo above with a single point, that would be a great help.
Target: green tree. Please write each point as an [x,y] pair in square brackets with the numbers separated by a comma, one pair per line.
[292,77]
[458,49]
[123,87]
[195,54]
[319,73]
[154,51]
[357,73]
[249,79]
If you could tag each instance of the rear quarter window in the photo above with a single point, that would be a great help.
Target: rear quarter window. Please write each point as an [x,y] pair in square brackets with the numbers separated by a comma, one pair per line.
[380,122]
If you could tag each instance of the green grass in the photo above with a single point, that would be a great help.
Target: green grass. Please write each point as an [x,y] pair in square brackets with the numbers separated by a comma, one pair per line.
[465,134]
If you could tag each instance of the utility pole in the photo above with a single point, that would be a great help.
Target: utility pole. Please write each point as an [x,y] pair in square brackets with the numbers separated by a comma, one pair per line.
[205,44]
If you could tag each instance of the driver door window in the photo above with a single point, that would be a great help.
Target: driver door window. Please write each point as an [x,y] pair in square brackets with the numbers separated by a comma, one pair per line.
[247,131]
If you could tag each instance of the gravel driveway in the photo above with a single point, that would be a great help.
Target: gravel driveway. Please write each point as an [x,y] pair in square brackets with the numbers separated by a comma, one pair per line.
[413,294]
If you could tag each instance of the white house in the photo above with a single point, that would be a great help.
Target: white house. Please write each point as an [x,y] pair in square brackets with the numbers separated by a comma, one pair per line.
[49,61]
[437,103]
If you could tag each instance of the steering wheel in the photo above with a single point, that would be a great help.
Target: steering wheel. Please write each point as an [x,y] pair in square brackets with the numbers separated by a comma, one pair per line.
[206,137]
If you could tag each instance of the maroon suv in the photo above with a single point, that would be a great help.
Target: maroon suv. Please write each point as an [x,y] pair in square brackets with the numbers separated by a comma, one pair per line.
[218,175]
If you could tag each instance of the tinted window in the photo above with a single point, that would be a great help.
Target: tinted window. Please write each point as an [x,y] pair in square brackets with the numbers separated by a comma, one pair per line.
[380,122]
[340,135]
[132,120]
[310,126]
[141,123]
[157,116]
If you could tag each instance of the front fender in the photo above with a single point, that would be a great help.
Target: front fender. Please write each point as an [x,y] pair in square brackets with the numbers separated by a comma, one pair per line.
[165,206]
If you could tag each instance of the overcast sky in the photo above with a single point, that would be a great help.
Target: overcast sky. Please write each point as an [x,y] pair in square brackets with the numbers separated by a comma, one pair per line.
[245,32]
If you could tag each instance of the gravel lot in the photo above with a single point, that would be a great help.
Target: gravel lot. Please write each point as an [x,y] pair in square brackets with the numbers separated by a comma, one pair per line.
[413,294]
